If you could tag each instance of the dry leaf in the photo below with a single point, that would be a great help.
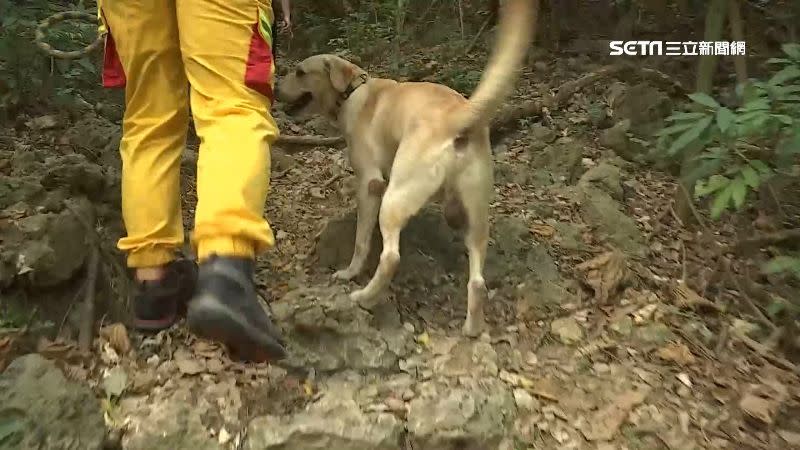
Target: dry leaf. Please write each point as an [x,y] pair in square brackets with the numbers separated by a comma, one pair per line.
[115,382]
[606,422]
[188,364]
[543,230]
[759,409]
[678,353]
[117,336]
[605,274]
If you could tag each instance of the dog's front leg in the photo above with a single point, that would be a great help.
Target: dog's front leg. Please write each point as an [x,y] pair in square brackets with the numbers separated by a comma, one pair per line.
[370,190]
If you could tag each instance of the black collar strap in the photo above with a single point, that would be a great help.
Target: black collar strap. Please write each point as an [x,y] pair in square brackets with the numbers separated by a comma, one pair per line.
[353,86]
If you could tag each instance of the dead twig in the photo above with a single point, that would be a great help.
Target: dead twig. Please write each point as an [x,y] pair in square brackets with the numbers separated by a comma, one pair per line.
[479,33]
[308,140]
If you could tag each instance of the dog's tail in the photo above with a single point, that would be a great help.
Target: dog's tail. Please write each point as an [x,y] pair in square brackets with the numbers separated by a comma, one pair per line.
[517,26]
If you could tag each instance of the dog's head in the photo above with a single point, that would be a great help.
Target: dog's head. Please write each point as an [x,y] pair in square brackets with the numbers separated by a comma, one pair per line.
[316,85]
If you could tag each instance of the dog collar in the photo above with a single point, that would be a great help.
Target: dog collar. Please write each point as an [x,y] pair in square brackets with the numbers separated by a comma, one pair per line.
[352,87]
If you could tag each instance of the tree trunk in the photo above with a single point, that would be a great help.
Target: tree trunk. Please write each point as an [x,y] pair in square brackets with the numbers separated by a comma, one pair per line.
[737,32]
[715,24]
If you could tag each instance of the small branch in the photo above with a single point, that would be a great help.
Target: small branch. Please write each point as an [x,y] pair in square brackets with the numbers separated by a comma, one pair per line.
[461,17]
[737,32]
[478,34]
[308,140]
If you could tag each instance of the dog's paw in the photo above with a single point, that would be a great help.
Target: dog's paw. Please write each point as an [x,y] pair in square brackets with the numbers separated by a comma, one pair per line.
[344,275]
[473,327]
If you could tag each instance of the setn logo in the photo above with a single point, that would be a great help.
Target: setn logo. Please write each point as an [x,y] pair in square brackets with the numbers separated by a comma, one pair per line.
[634,48]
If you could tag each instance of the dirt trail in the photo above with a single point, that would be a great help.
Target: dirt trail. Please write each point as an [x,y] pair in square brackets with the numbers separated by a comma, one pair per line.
[595,342]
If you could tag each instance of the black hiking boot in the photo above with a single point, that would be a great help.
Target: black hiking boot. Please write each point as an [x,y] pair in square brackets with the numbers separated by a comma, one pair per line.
[226,308]
[157,305]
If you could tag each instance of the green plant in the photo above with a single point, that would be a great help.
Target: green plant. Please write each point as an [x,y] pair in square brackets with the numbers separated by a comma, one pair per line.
[741,148]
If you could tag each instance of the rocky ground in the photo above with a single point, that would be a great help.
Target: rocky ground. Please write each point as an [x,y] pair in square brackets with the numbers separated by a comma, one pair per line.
[605,331]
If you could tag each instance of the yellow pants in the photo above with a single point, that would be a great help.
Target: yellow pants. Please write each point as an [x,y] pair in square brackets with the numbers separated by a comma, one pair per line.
[215,55]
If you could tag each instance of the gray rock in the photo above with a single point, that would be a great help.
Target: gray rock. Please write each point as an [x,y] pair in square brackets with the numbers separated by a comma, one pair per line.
[567,330]
[41,409]
[325,329]
[606,177]
[14,189]
[515,261]
[562,159]
[616,137]
[49,248]
[543,134]
[428,231]
[568,235]
[645,107]
[458,357]
[334,422]
[172,421]
[473,415]
[605,215]
[77,175]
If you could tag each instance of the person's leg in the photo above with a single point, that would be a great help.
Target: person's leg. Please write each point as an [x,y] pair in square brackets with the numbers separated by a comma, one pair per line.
[226,51]
[143,55]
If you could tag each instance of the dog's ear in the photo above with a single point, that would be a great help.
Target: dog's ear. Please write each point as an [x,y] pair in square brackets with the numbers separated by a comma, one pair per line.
[341,73]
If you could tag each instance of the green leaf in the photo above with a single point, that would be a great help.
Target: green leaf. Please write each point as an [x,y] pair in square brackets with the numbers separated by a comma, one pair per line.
[714,183]
[725,118]
[690,135]
[779,61]
[677,128]
[757,104]
[739,192]
[751,177]
[792,50]
[721,202]
[685,116]
[784,75]
[782,264]
[760,166]
[704,99]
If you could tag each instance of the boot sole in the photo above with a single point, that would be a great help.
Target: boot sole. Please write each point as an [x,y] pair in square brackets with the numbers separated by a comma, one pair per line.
[208,318]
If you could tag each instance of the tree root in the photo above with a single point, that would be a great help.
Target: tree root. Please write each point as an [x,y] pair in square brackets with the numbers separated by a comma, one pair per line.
[532,108]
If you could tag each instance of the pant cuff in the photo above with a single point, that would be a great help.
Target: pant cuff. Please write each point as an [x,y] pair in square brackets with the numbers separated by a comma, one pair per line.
[151,257]
[225,246]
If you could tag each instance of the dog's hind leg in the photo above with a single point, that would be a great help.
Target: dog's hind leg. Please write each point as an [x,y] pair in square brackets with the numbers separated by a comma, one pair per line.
[474,189]
[408,191]
[369,202]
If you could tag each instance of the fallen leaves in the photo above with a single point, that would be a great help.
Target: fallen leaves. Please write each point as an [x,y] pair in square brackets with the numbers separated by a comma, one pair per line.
[605,274]
[607,421]
[188,364]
